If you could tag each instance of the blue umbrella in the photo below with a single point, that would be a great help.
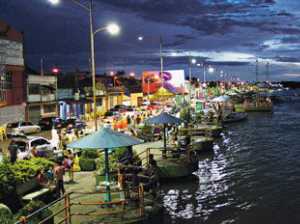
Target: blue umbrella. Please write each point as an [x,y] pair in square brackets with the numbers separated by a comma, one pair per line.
[164,118]
[105,139]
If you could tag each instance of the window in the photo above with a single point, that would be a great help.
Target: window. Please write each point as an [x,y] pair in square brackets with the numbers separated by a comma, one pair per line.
[99,102]
[5,82]
[49,108]
[35,143]
[43,142]
[34,89]
[13,125]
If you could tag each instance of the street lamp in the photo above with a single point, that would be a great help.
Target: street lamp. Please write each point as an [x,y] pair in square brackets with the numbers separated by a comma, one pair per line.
[54,2]
[193,61]
[141,38]
[211,69]
[111,28]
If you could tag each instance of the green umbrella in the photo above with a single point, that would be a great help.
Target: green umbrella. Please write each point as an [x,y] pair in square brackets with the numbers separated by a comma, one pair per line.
[105,139]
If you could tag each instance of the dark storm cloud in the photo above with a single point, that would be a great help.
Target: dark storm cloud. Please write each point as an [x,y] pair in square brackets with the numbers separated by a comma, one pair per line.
[290,39]
[262,28]
[229,63]
[282,30]
[287,59]
[207,16]
[180,39]
[284,13]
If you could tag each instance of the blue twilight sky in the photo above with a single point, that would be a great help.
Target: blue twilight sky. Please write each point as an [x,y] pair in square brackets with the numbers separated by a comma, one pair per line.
[228,34]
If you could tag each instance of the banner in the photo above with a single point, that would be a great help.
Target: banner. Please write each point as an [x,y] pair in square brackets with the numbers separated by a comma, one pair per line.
[173,81]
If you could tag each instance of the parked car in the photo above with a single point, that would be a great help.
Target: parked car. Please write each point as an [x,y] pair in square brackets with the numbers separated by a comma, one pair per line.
[22,127]
[47,123]
[25,144]
[75,122]
[119,109]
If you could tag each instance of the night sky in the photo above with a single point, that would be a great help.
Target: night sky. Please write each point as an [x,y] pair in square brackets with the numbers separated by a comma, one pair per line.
[229,34]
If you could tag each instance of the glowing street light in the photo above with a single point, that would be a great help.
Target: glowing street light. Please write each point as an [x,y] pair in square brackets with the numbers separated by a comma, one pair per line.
[54,2]
[211,70]
[141,38]
[132,74]
[111,28]
[193,61]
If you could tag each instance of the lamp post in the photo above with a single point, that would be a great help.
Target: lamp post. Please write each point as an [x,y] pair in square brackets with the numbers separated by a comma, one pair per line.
[141,38]
[111,28]
[192,62]
[148,82]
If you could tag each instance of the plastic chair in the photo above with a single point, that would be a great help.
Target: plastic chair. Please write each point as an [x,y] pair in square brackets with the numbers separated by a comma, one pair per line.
[2,133]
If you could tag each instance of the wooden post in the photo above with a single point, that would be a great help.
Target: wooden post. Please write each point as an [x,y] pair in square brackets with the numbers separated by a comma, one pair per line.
[67,209]
[147,157]
[141,197]
[164,152]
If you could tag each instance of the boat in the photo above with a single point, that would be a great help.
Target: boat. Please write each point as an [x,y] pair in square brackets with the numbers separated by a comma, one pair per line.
[235,117]
[208,130]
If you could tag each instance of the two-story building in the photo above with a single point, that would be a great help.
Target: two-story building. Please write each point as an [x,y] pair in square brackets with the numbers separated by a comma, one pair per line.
[12,77]
[41,97]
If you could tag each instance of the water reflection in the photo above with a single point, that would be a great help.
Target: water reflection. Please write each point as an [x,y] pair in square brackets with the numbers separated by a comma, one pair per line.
[253,163]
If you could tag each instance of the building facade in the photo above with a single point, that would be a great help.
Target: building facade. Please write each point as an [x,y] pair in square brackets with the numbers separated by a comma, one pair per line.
[41,97]
[12,77]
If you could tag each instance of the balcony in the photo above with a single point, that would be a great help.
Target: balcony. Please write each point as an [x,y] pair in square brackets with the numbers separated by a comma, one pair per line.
[34,98]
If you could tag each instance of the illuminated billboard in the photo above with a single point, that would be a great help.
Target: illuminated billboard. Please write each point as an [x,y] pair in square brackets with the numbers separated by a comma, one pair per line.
[172,80]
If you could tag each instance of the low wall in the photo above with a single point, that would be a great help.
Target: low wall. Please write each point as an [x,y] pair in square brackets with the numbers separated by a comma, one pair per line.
[12,113]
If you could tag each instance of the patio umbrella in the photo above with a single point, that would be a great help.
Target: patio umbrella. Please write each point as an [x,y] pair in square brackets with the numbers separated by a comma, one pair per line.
[221,99]
[105,139]
[164,118]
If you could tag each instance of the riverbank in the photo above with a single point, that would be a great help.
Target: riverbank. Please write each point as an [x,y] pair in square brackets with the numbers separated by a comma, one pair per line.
[251,177]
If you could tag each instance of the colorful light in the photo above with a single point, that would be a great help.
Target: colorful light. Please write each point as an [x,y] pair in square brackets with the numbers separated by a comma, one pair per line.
[55,70]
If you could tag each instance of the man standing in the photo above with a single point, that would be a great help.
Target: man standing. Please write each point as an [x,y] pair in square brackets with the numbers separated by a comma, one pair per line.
[59,172]
[13,150]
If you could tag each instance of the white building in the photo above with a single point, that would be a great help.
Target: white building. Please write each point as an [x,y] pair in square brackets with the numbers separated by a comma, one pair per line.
[41,97]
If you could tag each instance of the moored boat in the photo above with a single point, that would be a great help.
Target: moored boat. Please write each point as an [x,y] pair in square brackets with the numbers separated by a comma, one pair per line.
[235,117]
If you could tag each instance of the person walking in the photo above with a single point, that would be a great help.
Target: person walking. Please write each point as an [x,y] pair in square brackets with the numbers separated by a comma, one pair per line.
[70,161]
[1,155]
[13,150]
[59,172]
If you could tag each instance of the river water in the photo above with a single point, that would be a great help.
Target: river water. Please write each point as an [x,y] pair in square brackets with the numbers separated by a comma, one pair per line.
[253,176]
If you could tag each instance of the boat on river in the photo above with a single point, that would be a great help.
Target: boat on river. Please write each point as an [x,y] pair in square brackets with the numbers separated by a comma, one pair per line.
[209,130]
[235,117]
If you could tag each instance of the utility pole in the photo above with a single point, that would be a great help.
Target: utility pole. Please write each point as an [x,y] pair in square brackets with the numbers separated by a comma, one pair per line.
[161,60]
[268,71]
[256,71]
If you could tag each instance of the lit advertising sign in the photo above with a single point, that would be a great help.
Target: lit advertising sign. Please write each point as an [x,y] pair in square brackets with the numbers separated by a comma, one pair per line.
[173,81]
